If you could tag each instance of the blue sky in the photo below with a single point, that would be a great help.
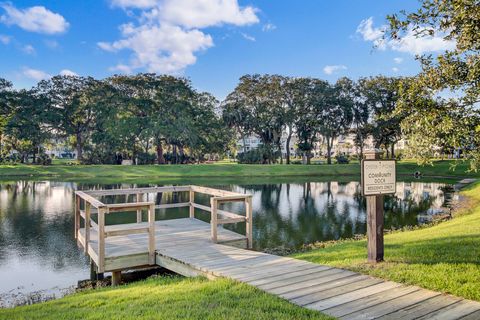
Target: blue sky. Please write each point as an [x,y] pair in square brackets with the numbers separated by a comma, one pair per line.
[213,42]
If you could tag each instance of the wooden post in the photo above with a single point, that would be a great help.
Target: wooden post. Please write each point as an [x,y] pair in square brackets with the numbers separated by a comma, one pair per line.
[116,278]
[249,220]
[101,239]
[88,207]
[139,212]
[77,215]
[192,200]
[213,219]
[374,219]
[151,233]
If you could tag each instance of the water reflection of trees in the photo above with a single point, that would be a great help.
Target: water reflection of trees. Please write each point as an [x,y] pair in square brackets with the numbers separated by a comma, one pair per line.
[320,211]
[36,218]
[34,226]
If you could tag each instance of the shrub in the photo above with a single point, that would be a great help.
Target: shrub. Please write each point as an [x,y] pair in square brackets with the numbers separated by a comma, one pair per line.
[43,159]
[146,158]
[250,157]
[342,159]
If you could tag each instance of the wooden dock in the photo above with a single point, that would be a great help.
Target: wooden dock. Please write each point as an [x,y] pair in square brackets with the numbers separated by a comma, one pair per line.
[192,247]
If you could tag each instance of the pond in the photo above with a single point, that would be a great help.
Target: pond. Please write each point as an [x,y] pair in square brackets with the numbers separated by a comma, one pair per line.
[39,256]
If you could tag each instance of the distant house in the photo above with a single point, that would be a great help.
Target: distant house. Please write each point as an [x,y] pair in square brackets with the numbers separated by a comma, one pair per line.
[59,148]
[344,144]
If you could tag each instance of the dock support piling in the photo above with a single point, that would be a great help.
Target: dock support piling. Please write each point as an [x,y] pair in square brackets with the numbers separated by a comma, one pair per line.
[116,278]
[249,220]
[192,200]
[139,212]
[213,219]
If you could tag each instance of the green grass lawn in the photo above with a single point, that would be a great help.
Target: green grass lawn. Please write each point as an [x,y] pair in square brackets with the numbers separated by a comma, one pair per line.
[167,298]
[219,170]
[445,257]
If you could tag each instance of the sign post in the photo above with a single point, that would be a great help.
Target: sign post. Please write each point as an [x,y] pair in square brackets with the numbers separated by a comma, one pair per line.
[378,179]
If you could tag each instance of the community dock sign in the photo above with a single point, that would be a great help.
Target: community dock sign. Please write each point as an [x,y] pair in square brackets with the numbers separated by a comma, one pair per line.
[378,177]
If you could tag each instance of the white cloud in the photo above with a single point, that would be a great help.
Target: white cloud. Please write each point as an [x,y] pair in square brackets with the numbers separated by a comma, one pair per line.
[398,60]
[52,44]
[28,49]
[35,74]
[67,72]
[331,69]
[395,69]
[369,33]
[412,44]
[248,37]
[35,19]
[143,4]
[5,39]
[167,35]
[269,27]
[164,48]
[201,13]
[408,41]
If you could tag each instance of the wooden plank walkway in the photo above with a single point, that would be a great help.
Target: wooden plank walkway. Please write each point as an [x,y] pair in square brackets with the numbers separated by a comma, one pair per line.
[192,247]
[337,292]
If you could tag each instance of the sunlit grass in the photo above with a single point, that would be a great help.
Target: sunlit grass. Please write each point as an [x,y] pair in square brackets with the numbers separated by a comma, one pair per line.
[445,257]
[167,298]
[220,170]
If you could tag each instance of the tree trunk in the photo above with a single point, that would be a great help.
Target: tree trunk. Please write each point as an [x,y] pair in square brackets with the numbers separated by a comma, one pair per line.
[287,146]
[160,157]
[79,147]
[175,154]
[309,156]
[244,143]
[329,151]
[34,155]
[279,147]
[392,152]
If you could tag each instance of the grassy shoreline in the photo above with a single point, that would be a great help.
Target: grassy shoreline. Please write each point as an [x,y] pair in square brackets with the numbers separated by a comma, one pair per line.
[167,298]
[441,169]
[444,257]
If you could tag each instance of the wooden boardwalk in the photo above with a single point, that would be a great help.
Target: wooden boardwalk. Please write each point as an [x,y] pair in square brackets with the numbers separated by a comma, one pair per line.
[337,292]
[186,246]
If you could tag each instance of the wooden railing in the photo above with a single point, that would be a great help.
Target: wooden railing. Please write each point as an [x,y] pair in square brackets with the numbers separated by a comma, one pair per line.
[86,203]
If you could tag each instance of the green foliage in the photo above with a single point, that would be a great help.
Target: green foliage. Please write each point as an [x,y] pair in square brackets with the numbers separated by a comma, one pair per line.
[342,159]
[167,298]
[257,106]
[456,123]
[380,95]
[261,155]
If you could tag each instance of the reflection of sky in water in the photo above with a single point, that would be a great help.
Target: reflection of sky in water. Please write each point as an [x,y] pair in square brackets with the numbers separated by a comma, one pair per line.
[38,250]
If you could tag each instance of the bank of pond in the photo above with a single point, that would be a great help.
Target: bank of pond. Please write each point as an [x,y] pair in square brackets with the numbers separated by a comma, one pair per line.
[39,257]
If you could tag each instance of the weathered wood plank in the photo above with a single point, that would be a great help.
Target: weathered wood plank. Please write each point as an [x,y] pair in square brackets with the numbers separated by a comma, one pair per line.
[369,301]
[249,222]
[127,191]
[213,219]
[131,206]
[346,293]
[172,205]
[334,280]
[423,308]
[309,270]
[455,311]
[94,202]
[392,306]
[327,276]
[213,192]
[472,316]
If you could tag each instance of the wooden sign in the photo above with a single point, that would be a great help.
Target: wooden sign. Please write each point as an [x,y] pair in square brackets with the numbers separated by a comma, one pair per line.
[378,177]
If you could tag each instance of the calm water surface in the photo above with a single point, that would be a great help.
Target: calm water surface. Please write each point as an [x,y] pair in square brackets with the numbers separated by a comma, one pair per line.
[39,256]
